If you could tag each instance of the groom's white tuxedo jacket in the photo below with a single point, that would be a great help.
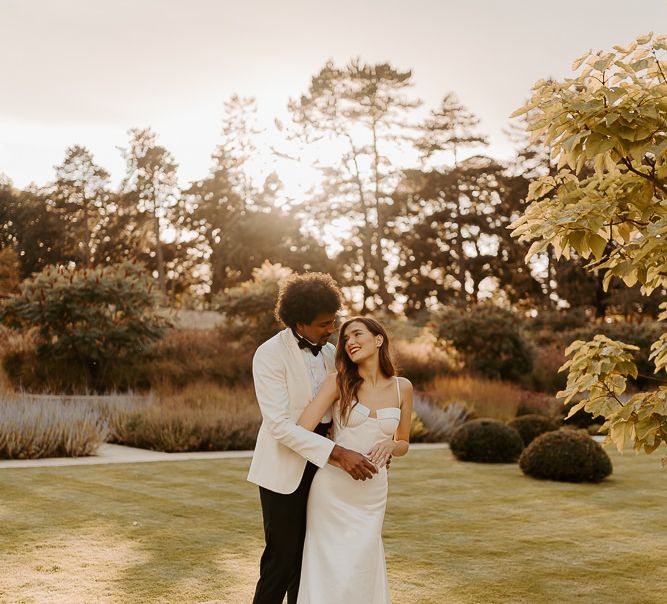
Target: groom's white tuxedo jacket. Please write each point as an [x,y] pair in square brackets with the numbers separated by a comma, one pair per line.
[283,389]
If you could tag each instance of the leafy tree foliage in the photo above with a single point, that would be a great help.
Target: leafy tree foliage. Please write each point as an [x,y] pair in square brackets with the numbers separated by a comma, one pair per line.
[79,196]
[249,307]
[27,225]
[9,270]
[150,184]
[490,339]
[451,235]
[568,280]
[90,319]
[239,225]
[613,117]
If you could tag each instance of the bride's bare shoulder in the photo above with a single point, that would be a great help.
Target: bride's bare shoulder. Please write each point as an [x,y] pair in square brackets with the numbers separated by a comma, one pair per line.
[405,384]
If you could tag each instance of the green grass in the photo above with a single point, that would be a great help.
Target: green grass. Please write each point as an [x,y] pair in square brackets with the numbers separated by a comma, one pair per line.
[461,533]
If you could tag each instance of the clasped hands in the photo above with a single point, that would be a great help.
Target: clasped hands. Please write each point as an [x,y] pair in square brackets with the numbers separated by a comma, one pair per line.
[362,467]
[380,454]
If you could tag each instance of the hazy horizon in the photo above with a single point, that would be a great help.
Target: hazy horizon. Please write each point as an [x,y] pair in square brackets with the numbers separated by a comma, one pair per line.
[80,72]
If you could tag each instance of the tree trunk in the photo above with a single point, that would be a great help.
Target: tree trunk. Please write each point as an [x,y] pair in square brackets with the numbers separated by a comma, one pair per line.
[159,255]
[379,230]
[86,233]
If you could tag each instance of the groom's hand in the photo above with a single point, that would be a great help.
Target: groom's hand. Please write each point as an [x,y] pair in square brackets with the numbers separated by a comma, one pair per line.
[355,464]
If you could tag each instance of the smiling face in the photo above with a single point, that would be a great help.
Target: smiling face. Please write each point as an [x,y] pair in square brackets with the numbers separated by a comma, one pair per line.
[360,343]
[319,330]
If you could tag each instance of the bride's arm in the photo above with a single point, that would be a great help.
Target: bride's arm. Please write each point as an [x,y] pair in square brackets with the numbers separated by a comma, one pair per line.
[400,444]
[316,409]
[402,436]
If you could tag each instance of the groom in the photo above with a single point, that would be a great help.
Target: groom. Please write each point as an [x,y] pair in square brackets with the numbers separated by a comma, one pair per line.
[288,370]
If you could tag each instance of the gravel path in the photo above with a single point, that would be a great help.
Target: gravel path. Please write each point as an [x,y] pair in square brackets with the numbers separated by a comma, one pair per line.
[107,454]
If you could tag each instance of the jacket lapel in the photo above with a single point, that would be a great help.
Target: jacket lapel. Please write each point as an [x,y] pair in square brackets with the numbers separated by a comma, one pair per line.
[296,360]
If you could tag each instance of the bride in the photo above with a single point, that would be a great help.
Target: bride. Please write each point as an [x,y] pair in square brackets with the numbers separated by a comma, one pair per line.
[343,555]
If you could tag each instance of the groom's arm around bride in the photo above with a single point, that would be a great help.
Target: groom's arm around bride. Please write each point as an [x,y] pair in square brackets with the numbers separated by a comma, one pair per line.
[273,378]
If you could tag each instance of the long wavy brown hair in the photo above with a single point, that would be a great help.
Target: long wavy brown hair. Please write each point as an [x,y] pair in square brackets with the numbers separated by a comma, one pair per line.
[348,378]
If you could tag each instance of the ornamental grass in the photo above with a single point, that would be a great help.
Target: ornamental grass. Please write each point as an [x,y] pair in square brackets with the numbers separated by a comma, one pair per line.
[202,417]
[489,398]
[31,429]
[439,423]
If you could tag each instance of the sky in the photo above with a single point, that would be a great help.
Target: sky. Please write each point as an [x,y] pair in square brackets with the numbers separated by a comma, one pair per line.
[85,71]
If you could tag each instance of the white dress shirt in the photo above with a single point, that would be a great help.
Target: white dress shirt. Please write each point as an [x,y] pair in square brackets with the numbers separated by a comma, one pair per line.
[317,372]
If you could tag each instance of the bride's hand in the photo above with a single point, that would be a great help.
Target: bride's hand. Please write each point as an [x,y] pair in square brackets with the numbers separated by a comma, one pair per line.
[381,452]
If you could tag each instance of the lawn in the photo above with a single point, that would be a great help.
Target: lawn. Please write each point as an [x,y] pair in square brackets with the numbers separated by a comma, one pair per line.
[462,533]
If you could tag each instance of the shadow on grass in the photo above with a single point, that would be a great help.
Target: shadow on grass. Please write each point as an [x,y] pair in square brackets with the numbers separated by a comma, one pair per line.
[173,532]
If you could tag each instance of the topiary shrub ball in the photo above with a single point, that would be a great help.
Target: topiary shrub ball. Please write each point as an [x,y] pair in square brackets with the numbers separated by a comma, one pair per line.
[486,441]
[581,419]
[530,427]
[565,456]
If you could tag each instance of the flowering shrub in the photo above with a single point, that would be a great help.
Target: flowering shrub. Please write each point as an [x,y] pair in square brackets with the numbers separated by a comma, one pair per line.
[90,323]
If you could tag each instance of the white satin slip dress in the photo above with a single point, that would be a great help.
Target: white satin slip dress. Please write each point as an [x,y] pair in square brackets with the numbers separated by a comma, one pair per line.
[343,555]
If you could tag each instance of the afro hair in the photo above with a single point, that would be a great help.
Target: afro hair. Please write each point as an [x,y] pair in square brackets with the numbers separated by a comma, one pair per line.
[302,297]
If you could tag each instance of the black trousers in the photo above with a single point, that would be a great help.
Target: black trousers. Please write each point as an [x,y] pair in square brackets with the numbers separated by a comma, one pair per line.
[284,532]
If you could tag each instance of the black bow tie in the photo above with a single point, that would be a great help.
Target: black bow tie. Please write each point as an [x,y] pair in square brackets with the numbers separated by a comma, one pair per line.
[303,343]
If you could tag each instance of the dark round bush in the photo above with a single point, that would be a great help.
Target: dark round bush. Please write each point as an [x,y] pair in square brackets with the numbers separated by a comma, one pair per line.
[581,419]
[487,441]
[565,456]
[530,427]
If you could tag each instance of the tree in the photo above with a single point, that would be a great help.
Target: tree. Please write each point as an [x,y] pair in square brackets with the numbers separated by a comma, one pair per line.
[151,184]
[32,229]
[450,232]
[490,339]
[92,319]
[449,223]
[249,306]
[9,271]
[613,117]
[450,128]
[567,280]
[360,111]
[216,204]
[240,225]
[79,196]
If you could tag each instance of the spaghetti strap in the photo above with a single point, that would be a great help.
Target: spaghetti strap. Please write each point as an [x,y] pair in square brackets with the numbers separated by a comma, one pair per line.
[398,391]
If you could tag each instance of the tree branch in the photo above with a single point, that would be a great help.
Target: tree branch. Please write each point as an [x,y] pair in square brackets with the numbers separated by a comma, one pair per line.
[628,164]
[657,62]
